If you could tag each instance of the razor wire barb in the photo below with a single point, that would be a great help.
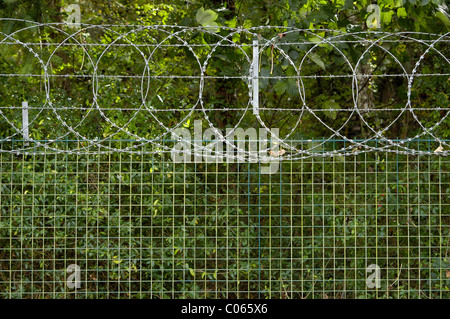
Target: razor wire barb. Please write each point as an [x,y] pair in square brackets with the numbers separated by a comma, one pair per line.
[144,43]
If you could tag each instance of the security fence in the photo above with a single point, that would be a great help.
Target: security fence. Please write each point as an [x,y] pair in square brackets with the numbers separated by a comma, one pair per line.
[183,162]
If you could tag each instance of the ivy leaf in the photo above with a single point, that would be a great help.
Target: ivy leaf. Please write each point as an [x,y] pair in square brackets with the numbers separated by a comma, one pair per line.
[207,18]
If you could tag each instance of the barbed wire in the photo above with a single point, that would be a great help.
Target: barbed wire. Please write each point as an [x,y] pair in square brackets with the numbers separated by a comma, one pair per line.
[198,43]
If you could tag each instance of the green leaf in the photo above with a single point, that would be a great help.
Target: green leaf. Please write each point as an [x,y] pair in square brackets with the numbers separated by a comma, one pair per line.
[401,13]
[192,272]
[317,60]
[207,18]
[294,55]
[292,88]
[443,18]
[386,17]
[280,87]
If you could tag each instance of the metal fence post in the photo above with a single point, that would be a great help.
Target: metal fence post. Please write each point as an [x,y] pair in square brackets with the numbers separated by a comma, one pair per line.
[25,131]
[255,80]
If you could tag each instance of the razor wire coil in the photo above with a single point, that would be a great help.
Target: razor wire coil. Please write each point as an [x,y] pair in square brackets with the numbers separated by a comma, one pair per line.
[226,38]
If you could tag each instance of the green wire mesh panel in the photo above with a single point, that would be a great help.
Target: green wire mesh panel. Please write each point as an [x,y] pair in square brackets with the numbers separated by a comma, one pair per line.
[141,226]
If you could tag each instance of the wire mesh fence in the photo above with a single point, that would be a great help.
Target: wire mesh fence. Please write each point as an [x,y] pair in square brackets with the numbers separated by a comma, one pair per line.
[143,226]
[91,189]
